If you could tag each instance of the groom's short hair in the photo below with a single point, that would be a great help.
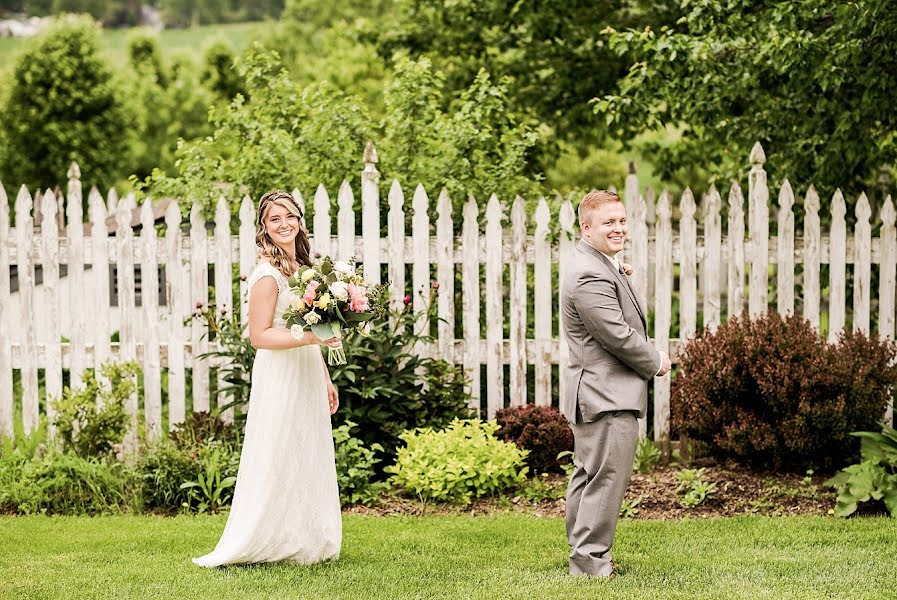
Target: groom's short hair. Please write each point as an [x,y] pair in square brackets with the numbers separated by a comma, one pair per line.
[593,200]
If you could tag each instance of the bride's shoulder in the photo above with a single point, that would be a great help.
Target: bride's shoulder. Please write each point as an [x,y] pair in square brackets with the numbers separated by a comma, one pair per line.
[263,268]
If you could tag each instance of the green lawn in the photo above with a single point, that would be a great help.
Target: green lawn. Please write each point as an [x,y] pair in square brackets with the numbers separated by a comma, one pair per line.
[114,42]
[505,556]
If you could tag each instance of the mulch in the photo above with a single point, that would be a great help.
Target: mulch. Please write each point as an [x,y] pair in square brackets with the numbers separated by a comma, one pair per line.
[739,491]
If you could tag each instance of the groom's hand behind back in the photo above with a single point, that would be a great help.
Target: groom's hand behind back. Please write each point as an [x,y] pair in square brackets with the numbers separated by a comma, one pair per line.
[665,364]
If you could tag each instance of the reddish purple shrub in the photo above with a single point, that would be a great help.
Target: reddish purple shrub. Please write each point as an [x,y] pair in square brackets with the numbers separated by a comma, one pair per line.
[540,429]
[769,392]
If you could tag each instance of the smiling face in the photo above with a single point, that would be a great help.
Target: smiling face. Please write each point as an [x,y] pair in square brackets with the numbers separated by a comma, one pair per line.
[281,225]
[604,227]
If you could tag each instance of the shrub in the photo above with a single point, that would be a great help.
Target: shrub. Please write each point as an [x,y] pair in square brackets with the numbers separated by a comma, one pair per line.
[66,484]
[91,420]
[647,455]
[459,463]
[873,479]
[770,392]
[387,387]
[63,106]
[355,467]
[542,430]
[198,428]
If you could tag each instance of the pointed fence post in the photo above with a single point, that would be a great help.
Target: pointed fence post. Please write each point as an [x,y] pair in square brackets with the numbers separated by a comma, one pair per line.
[248,253]
[663,307]
[518,302]
[470,299]
[345,223]
[396,246]
[199,295]
[445,276]
[223,289]
[735,243]
[370,215]
[566,246]
[862,265]
[321,241]
[49,257]
[177,279]
[887,282]
[837,267]
[76,302]
[124,241]
[785,267]
[812,257]
[6,398]
[101,305]
[542,300]
[495,386]
[688,284]
[758,198]
[711,268]
[152,363]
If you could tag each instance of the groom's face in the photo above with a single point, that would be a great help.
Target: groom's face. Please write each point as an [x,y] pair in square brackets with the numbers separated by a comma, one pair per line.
[606,230]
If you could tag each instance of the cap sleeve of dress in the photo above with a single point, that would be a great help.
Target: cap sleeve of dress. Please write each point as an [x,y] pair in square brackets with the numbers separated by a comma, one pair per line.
[263,270]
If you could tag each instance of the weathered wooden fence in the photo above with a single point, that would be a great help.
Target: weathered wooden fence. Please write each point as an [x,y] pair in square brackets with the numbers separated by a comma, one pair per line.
[493,263]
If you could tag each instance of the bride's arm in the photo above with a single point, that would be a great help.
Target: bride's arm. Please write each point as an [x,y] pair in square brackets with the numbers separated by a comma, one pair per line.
[262,335]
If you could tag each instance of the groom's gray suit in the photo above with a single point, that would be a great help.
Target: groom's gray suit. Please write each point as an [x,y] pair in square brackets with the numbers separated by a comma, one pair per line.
[610,362]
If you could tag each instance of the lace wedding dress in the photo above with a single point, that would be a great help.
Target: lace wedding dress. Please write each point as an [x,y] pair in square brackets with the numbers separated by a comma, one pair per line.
[286,502]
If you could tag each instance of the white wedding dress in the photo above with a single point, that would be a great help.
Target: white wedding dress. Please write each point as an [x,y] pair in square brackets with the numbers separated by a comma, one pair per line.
[286,502]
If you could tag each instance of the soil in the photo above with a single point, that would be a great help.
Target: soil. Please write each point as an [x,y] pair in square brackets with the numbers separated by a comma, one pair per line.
[653,495]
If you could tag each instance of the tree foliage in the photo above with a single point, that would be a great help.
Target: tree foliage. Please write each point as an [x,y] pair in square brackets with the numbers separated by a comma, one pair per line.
[807,79]
[64,106]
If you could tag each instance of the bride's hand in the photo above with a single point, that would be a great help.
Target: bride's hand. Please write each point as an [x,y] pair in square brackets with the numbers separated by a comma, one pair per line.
[332,397]
[310,339]
[333,342]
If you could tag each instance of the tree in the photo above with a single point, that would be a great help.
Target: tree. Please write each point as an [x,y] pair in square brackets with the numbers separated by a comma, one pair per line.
[63,106]
[811,80]
[219,73]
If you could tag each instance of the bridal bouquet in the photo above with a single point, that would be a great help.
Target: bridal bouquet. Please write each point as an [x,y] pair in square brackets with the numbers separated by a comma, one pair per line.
[332,296]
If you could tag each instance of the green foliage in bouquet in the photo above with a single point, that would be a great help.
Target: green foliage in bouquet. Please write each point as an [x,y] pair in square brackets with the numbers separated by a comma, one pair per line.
[91,420]
[459,463]
[355,462]
[872,479]
[388,386]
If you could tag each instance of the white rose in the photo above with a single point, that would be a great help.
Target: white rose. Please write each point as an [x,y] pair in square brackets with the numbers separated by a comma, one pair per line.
[342,267]
[297,332]
[340,291]
[312,317]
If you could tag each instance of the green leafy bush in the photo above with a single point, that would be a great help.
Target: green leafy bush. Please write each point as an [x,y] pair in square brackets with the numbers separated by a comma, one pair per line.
[647,455]
[542,430]
[693,488]
[91,420]
[873,479]
[770,392]
[355,467]
[66,484]
[63,106]
[387,387]
[461,462]
[199,428]
[212,489]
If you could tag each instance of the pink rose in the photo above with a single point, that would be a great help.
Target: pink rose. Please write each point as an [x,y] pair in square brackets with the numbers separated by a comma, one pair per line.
[358,300]
[309,296]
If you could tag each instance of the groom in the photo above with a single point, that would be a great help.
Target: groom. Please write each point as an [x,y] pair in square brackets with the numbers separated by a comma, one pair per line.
[611,361]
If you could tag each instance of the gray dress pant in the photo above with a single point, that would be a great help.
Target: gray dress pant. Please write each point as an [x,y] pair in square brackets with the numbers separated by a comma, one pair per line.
[604,451]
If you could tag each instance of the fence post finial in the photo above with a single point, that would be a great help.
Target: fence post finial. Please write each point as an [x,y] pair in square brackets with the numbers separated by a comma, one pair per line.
[632,167]
[74,171]
[370,155]
[758,156]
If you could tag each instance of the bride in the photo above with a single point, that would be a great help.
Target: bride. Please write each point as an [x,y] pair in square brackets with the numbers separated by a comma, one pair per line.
[286,502]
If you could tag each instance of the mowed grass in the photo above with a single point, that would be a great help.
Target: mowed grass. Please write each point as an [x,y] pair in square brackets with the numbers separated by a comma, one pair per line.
[503,556]
[190,41]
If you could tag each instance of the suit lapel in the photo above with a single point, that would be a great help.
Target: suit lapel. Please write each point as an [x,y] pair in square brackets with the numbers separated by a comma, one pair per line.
[620,277]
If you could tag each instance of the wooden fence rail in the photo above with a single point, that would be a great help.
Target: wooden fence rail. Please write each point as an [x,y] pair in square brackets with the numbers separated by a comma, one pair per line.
[504,279]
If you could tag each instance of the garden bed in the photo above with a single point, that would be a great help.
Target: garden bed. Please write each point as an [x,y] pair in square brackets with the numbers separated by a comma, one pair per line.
[652,496]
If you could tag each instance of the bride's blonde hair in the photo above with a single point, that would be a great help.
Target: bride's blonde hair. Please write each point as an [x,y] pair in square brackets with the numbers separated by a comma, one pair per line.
[267,248]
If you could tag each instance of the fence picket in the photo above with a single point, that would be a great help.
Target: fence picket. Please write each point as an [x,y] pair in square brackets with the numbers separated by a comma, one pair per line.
[248,252]
[24,238]
[663,308]
[75,302]
[199,294]
[420,241]
[100,301]
[152,362]
[862,266]
[177,282]
[345,223]
[495,386]
[370,215]
[445,276]
[223,291]
[542,300]
[518,303]
[735,245]
[124,238]
[6,388]
[396,245]
[566,246]
[837,267]
[887,281]
[49,258]
[470,299]
[711,266]
[758,195]
[321,242]
[785,268]
[688,286]
[812,257]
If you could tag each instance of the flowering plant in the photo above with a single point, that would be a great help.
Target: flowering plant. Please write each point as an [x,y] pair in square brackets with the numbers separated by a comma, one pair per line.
[330,297]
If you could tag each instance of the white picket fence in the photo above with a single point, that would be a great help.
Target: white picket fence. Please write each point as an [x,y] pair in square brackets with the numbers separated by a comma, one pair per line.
[78,306]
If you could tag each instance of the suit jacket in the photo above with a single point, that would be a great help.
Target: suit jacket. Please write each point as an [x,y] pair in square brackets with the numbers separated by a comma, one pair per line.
[610,359]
